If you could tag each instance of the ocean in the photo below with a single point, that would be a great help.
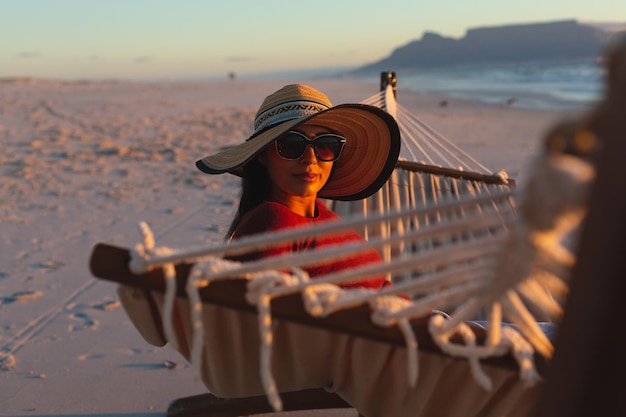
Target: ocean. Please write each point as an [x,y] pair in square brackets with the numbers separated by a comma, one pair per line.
[534,85]
[560,85]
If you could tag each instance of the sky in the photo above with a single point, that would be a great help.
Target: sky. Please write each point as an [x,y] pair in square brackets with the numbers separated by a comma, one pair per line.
[191,39]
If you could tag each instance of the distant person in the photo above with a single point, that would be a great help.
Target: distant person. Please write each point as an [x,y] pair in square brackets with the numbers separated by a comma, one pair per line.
[304,149]
[510,102]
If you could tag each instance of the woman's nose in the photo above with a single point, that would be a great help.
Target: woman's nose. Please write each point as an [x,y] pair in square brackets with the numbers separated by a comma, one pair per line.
[309,155]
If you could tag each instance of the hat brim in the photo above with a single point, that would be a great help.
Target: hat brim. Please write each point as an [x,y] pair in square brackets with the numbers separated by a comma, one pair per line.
[366,162]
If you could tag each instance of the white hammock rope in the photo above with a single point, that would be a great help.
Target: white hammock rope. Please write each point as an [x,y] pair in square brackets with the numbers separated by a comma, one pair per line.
[382,306]
[259,293]
[147,250]
[417,131]
[420,140]
[510,340]
[194,282]
[268,240]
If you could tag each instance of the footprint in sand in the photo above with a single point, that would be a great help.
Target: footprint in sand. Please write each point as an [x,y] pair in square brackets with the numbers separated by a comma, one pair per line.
[107,305]
[20,297]
[86,322]
[132,351]
[166,364]
[49,266]
[90,356]
[7,361]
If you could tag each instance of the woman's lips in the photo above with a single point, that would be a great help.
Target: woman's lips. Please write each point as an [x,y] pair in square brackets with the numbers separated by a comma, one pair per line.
[308,176]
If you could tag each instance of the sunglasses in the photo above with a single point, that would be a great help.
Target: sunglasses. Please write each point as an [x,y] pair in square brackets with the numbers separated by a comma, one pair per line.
[327,146]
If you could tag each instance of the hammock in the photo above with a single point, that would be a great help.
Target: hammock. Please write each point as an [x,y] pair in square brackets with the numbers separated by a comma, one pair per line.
[453,258]
[307,341]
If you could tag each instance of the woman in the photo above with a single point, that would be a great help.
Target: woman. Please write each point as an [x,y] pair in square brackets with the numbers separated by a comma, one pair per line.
[304,149]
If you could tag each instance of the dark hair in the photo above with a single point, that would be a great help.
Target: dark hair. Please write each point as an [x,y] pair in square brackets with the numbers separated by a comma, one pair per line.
[255,188]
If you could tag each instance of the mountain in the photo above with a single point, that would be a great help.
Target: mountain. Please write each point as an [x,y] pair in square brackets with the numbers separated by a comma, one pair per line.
[560,40]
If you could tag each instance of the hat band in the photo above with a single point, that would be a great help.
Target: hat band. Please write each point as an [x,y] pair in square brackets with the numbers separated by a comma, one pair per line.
[287,111]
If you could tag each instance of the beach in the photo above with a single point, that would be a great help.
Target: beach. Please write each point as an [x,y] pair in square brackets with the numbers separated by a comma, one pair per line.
[85,162]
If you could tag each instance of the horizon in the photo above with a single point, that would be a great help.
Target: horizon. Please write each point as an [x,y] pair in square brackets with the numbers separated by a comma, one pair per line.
[191,39]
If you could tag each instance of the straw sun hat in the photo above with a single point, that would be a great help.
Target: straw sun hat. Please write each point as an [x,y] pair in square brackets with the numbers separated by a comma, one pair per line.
[368,157]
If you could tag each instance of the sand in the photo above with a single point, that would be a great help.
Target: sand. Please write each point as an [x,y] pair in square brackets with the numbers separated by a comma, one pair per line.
[84,162]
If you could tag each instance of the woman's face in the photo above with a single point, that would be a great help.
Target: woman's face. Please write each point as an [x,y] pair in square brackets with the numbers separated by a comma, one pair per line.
[303,177]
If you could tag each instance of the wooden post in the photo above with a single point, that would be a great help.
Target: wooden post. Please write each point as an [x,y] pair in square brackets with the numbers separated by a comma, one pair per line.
[388,78]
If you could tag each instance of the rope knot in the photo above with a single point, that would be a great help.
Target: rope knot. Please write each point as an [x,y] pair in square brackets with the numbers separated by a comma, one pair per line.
[145,251]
